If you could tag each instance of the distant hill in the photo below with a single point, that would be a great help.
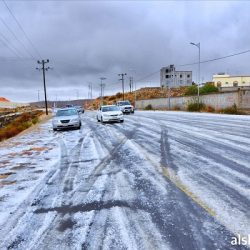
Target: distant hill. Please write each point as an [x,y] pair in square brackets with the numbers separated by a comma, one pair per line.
[60,104]
[141,94]
[2,99]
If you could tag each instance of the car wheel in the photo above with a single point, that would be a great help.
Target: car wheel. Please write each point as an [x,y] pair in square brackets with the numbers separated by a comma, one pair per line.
[97,119]
[121,121]
[54,129]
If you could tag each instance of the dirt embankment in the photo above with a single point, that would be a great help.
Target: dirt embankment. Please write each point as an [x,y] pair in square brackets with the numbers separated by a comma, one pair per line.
[12,125]
[2,99]
[143,93]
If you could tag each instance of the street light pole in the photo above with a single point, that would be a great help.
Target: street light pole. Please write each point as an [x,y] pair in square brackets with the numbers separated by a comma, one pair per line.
[198,45]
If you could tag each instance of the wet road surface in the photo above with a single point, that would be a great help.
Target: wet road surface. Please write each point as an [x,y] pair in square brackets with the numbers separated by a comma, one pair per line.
[160,180]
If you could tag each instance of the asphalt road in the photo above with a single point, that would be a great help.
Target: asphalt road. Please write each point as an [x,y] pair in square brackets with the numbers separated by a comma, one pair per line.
[160,180]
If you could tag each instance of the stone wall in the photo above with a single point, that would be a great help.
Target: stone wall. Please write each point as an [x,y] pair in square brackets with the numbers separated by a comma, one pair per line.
[218,101]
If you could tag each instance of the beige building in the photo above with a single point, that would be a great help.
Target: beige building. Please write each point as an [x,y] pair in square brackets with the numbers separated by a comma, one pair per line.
[224,80]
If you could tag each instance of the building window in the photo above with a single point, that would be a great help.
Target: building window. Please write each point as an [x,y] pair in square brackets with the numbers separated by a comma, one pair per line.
[167,76]
[166,70]
[235,83]
[218,84]
[180,75]
[226,82]
[188,76]
[243,82]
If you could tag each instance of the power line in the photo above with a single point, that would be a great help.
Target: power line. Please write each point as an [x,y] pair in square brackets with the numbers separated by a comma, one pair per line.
[15,58]
[11,49]
[218,58]
[14,35]
[10,46]
[147,76]
[21,28]
[189,64]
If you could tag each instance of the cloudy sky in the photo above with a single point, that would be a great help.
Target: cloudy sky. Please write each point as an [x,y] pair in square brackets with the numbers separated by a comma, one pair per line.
[86,40]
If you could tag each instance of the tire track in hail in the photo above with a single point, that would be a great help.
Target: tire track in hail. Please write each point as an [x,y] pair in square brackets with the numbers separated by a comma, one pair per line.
[47,195]
[191,201]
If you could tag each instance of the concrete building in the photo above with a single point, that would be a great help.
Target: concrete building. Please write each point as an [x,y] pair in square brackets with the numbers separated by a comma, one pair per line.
[173,79]
[223,80]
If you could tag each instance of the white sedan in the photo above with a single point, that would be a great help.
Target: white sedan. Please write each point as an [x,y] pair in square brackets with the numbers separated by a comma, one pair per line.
[109,113]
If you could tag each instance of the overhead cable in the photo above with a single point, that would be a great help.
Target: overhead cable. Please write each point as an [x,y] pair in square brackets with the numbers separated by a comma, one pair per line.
[21,28]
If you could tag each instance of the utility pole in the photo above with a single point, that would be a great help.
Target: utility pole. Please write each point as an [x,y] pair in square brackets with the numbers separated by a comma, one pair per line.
[43,62]
[91,88]
[122,79]
[90,91]
[102,88]
[131,84]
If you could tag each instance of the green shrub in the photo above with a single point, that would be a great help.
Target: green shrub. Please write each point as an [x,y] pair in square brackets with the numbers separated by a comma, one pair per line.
[233,110]
[148,107]
[191,90]
[119,95]
[209,109]
[208,88]
[177,108]
[195,106]
[35,120]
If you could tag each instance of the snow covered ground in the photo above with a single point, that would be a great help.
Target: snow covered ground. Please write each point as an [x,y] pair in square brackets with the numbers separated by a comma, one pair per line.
[161,180]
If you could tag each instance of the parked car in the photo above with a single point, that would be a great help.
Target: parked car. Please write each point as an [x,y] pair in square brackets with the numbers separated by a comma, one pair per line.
[66,118]
[109,113]
[125,107]
[80,109]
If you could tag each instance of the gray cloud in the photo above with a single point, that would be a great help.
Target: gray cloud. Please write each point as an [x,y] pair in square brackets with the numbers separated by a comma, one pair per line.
[89,39]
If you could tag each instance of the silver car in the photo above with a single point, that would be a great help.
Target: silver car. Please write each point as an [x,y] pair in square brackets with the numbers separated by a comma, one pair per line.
[66,118]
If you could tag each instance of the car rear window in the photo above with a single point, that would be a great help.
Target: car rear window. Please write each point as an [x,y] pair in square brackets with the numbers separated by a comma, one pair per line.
[123,103]
[66,112]
[111,108]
